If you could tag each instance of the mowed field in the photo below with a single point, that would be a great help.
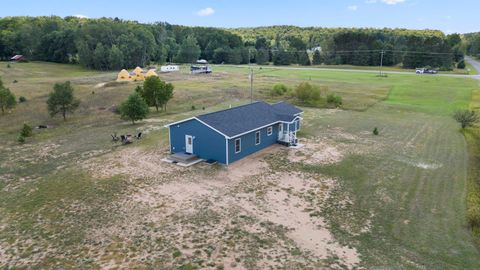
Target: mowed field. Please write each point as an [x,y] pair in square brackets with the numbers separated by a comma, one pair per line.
[70,198]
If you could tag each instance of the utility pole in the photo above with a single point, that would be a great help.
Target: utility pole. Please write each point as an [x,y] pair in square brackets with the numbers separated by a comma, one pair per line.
[250,77]
[381,63]
[251,85]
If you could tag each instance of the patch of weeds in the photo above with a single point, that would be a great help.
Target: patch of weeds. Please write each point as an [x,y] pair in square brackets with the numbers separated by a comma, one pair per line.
[188,266]
[176,253]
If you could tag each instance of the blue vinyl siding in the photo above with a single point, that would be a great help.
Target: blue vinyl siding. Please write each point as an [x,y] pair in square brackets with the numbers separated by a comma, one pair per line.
[248,143]
[207,143]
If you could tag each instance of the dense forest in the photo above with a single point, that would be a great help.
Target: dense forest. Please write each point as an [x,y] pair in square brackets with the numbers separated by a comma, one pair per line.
[108,43]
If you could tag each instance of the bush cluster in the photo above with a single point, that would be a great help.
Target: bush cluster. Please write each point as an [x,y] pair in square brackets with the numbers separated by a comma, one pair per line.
[279,89]
[334,100]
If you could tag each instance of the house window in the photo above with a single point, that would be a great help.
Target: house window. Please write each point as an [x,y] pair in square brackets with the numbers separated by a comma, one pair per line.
[257,137]
[238,145]
[269,131]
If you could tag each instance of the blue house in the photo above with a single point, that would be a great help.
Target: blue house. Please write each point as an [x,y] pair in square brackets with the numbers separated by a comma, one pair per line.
[229,135]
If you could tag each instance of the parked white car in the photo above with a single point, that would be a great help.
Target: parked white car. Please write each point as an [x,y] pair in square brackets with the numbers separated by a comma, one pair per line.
[425,71]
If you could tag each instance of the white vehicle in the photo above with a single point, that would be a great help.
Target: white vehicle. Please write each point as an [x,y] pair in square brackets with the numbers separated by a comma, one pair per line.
[200,69]
[425,71]
[169,68]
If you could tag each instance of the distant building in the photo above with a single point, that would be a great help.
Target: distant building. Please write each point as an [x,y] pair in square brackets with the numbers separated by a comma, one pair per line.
[230,135]
[18,58]
[138,74]
[312,50]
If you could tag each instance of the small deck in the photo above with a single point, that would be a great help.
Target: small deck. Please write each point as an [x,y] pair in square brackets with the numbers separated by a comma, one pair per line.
[183,159]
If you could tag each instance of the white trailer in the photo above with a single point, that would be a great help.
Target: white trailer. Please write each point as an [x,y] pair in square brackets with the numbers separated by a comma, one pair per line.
[169,68]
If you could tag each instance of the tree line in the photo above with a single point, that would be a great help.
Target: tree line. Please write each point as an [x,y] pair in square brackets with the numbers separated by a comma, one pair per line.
[472,44]
[112,43]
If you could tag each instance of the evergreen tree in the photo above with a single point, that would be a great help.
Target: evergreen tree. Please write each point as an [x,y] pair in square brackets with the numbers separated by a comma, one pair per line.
[61,100]
[100,57]
[7,98]
[317,58]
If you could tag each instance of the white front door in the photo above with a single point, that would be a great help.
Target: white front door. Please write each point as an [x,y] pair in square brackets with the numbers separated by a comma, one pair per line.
[280,131]
[189,144]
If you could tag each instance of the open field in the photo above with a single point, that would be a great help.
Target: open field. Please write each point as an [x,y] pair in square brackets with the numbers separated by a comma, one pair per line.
[70,198]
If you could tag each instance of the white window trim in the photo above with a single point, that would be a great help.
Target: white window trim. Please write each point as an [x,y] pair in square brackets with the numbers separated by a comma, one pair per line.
[269,131]
[259,137]
[239,145]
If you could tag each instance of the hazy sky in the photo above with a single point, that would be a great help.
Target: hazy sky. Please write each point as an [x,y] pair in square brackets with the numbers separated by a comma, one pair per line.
[447,15]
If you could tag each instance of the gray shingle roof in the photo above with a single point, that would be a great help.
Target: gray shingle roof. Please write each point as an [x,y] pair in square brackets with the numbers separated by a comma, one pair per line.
[238,120]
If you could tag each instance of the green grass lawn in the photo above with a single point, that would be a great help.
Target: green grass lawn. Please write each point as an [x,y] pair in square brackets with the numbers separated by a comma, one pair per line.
[408,187]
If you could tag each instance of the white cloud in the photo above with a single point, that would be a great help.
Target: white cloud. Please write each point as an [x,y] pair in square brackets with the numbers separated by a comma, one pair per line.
[206,12]
[81,16]
[392,2]
[388,2]
[352,8]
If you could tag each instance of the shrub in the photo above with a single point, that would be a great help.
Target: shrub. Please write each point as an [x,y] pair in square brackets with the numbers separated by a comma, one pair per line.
[22,99]
[466,118]
[461,64]
[279,89]
[20,139]
[176,253]
[8,65]
[15,81]
[334,100]
[375,131]
[307,93]
[193,107]
[26,131]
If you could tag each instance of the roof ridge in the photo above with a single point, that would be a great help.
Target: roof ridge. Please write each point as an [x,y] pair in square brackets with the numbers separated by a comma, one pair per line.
[258,101]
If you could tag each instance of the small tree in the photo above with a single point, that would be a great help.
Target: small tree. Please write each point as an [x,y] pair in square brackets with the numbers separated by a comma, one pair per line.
[466,118]
[26,131]
[134,108]
[156,92]
[375,131]
[307,93]
[167,94]
[61,100]
[7,98]
[279,89]
[461,64]
[152,91]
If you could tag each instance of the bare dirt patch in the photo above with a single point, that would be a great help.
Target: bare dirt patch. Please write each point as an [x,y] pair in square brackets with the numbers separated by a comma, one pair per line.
[131,162]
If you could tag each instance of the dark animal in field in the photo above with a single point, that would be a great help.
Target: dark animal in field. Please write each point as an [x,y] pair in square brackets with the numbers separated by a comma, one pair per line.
[139,136]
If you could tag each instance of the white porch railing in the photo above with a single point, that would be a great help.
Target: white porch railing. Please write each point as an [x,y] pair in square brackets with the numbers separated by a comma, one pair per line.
[290,137]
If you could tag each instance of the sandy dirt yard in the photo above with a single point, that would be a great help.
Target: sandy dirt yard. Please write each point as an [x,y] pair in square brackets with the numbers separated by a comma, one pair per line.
[262,212]
[249,215]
